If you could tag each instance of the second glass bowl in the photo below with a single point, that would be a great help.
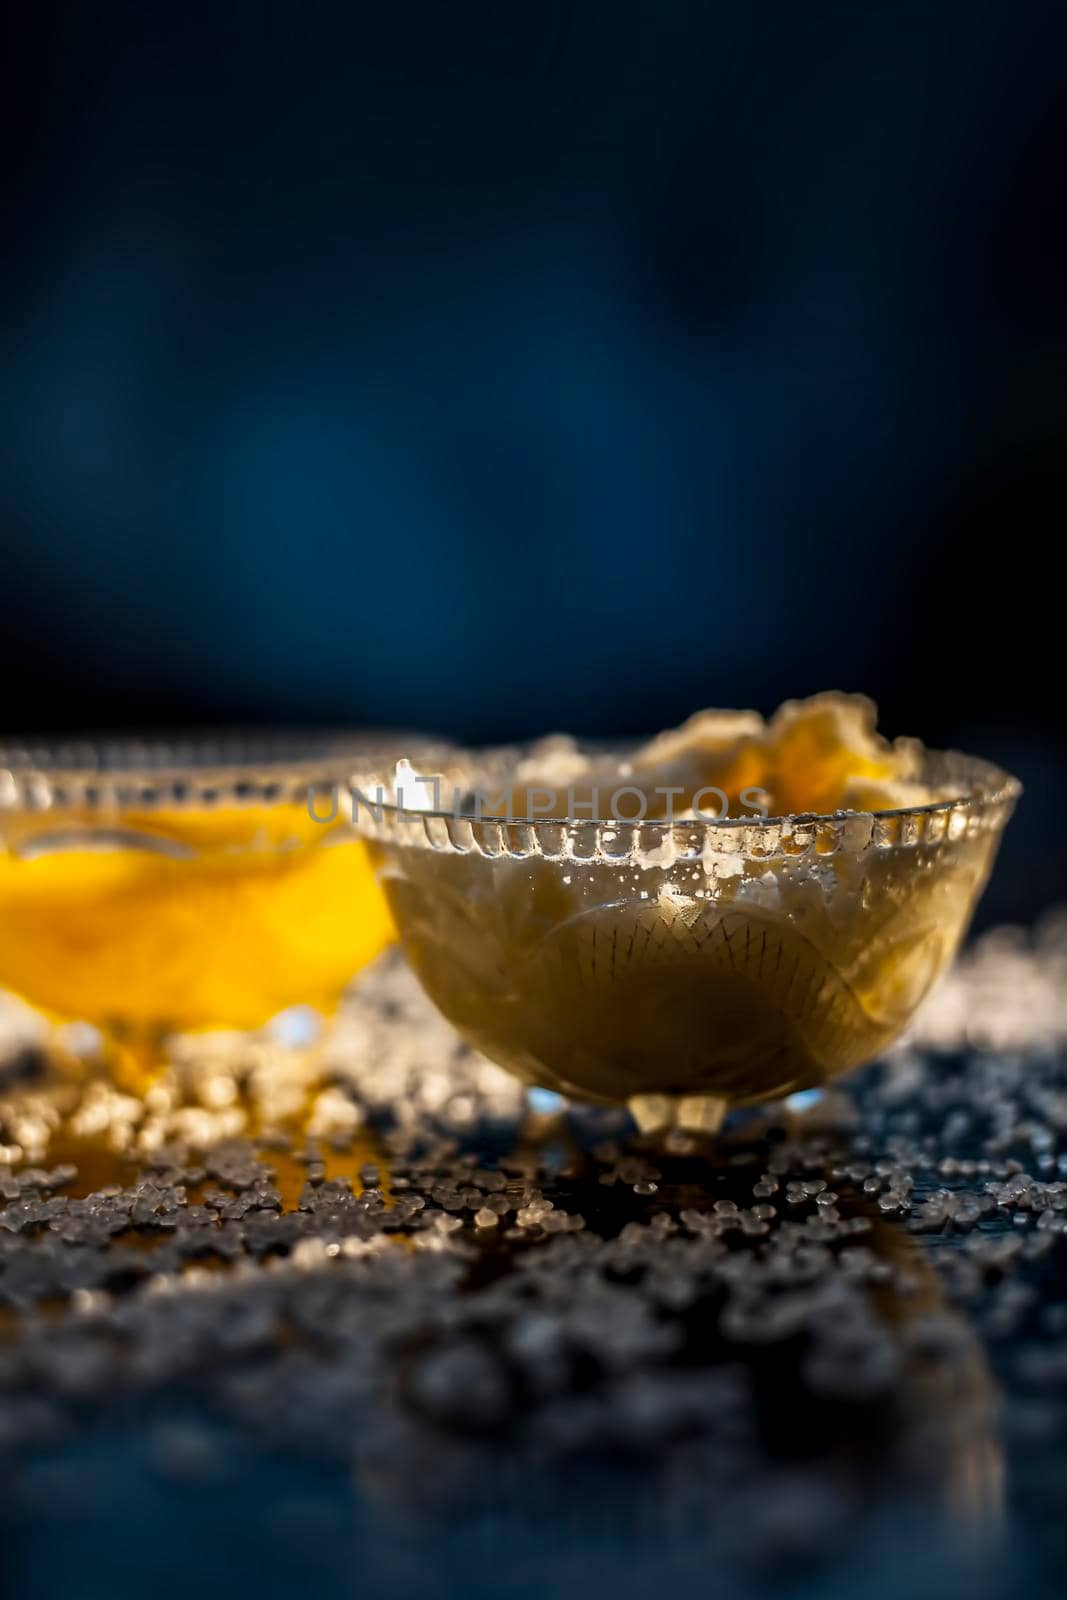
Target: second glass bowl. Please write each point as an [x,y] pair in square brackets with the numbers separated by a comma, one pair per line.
[155,886]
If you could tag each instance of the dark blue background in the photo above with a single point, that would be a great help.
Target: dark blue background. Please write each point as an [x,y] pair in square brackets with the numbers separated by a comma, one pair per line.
[490,368]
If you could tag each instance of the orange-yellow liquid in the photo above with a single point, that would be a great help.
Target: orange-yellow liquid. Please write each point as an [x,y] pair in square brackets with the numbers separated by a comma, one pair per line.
[185,919]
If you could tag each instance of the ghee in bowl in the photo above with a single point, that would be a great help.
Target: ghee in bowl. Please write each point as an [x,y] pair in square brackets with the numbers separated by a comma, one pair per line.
[147,888]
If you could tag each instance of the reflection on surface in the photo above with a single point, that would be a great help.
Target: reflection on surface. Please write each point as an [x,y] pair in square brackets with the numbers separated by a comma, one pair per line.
[735,1334]
[759,1358]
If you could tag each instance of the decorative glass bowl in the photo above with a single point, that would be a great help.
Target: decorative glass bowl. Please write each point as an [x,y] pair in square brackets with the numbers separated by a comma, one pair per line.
[686,967]
[156,886]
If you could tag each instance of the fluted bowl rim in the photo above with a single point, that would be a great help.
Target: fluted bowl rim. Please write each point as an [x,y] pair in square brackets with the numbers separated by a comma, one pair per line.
[188,768]
[987,798]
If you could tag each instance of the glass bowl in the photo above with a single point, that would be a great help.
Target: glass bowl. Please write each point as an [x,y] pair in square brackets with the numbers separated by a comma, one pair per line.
[162,885]
[684,967]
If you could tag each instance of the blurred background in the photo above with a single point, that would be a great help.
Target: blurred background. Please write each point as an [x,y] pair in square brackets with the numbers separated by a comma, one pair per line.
[496,368]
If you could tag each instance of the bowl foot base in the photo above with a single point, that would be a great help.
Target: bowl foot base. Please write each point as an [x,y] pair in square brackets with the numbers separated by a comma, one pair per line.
[691,1113]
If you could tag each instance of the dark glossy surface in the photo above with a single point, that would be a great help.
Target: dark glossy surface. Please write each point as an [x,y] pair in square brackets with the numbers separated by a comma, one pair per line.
[292,1375]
